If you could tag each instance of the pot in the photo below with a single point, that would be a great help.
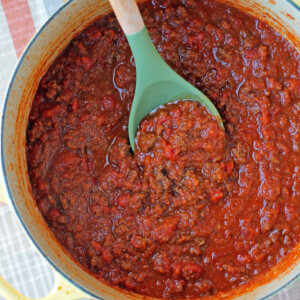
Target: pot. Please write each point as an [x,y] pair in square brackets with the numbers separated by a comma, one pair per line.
[72,282]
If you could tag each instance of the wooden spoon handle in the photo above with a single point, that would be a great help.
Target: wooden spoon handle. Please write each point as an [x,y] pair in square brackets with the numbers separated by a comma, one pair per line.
[128,15]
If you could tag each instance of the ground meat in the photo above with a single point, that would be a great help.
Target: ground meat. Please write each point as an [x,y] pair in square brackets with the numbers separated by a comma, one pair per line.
[195,211]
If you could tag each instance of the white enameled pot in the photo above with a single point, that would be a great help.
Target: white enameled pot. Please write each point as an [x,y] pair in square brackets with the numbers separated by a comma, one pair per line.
[72,282]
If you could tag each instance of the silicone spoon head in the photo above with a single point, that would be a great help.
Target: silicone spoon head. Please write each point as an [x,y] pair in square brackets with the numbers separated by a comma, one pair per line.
[157,83]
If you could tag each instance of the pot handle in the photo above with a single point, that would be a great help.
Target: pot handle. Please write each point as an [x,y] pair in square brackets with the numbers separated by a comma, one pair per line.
[63,289]
[3,196]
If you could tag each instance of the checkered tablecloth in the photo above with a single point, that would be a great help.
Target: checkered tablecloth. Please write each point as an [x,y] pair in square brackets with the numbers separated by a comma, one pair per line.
[20,263]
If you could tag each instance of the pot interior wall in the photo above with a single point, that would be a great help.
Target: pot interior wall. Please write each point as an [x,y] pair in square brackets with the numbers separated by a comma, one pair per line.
[34,62]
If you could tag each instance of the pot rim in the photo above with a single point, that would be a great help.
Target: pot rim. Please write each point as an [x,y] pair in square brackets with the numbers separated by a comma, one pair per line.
[2,160]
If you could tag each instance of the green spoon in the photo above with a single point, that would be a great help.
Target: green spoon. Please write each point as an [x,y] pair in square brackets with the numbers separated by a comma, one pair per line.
[156,82]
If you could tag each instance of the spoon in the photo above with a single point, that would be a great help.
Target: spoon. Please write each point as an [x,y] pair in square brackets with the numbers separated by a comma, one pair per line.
[156,82]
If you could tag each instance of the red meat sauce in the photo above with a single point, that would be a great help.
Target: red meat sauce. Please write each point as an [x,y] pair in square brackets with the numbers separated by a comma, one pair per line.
[196,211]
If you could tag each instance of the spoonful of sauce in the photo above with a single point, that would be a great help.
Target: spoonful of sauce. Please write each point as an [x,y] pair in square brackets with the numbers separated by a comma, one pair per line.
[156,82]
